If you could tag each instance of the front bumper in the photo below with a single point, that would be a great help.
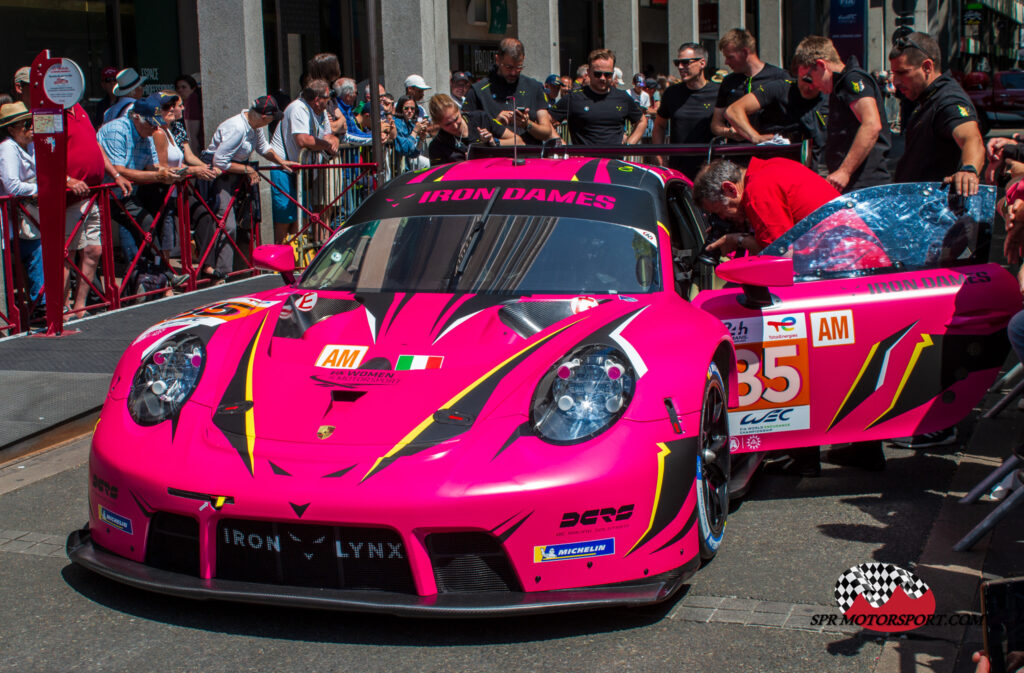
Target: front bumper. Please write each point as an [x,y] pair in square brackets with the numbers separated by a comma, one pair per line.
[82,550]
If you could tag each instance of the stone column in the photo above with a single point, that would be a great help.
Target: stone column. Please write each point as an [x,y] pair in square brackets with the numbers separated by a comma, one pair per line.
[415,41]
[231,62]
[537,28]
[769,33]
[622,35]
[683,26]
[731,14]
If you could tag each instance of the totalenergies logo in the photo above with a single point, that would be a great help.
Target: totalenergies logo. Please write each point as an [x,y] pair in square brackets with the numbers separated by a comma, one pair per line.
[787,324]
[884,597]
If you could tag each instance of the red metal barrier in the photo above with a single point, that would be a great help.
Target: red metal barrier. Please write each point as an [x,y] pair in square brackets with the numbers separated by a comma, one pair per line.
[110,287]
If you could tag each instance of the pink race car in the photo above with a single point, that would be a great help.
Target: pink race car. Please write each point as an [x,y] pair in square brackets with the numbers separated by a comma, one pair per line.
[507,387]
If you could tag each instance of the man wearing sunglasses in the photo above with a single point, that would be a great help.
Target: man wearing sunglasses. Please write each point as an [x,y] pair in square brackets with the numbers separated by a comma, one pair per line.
[944,140]
[512,98]
[597,114]
[739,50]
[857,147]
[686,108]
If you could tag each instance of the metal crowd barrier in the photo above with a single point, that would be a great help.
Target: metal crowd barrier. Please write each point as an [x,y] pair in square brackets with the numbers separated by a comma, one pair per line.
[327,202]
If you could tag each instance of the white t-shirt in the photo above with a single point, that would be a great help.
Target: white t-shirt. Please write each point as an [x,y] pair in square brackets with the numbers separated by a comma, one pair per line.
[234,140]
[299,117]
[17,170]
[642,99]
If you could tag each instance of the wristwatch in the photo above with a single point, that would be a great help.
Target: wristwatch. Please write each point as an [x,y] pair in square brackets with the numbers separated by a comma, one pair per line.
[967,168]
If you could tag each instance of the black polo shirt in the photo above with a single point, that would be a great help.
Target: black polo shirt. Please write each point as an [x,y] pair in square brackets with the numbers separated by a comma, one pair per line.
[597,118]
[849,86]
[931,153]
[737,85]
[689,113]
[786,112]
[494,94]
[445,147]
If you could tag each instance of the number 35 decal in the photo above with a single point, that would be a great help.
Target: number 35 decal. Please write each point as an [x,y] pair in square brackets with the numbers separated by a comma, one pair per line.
[770,378]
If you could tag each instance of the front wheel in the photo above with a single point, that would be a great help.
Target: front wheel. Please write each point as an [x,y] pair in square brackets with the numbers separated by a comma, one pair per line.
[713,465]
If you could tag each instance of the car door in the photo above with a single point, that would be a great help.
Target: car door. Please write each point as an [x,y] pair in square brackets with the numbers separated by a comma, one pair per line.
[894,326]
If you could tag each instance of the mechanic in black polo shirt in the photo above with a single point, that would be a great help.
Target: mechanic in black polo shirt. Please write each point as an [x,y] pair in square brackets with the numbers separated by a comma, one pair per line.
[506,94]
[739,50]
[597,114]
[686,108]
[794,110]
[458,130]
[944,140]
[858,142]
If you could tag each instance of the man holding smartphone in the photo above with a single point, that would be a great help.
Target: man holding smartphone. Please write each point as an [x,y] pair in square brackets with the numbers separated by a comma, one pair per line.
[511,98]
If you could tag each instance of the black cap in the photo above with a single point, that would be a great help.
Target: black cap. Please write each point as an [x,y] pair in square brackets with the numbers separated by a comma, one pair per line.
[266,105]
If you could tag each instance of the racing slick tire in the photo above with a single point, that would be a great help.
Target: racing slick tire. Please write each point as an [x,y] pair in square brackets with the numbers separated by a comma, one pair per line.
[713,465]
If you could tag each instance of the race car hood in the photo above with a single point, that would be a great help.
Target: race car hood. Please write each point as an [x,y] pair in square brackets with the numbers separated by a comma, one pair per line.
[374,370]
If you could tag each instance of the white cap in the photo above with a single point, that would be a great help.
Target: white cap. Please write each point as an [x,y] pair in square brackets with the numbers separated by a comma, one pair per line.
[416,81]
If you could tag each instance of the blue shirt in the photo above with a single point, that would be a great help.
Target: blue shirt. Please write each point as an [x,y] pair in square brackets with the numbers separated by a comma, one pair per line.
[125,147]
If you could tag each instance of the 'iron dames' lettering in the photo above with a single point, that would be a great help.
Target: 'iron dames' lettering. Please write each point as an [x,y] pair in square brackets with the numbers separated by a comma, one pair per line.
[929,282]
[574,197]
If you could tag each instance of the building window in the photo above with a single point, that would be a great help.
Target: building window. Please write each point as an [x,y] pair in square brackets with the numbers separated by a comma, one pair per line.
[476,12]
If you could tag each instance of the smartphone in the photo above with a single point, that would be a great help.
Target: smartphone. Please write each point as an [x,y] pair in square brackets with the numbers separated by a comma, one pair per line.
[1002,604]
[181,171]
[521,109]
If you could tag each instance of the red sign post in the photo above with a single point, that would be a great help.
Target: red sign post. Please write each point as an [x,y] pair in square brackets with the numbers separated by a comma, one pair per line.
[56,85]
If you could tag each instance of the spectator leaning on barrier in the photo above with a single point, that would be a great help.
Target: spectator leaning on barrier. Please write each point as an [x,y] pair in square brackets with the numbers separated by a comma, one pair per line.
[857,149]
[410,134]
[128,90]
[460,129]
[191,97]
[943,139]
[686,108]
[232,144]
[415,88]
[303,127]
[506,94]
[739,50]
[597,115]
[345,97]
[18,178]
[637,92]
[128,142]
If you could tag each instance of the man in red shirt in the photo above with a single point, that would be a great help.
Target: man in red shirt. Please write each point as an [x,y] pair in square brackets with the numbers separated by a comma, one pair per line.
[769,195]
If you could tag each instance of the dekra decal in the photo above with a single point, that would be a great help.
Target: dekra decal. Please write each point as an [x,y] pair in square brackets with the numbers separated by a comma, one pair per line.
[592,516]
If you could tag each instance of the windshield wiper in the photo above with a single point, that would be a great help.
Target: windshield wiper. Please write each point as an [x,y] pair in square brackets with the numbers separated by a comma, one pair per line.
[472,240]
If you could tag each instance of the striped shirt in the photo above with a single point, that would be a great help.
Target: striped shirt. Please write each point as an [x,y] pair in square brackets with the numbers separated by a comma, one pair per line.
[125,147]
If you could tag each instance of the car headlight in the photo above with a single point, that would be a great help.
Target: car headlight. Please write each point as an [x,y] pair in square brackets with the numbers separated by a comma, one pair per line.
[583,394]
[166,379]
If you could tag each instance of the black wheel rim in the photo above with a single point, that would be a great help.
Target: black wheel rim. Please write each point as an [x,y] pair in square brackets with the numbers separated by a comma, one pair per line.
[715,473]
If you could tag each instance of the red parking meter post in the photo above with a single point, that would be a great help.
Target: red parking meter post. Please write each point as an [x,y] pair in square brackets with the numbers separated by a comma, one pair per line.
[56,85]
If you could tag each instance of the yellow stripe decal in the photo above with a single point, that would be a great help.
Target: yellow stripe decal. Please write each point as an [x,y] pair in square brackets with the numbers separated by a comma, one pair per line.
[657,493]
[664,228]
[430,419]
[863,368]
[250,417]
[925,342]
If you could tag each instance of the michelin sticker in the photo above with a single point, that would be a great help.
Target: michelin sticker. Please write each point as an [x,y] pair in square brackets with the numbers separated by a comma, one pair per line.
[573,550]
[114,520]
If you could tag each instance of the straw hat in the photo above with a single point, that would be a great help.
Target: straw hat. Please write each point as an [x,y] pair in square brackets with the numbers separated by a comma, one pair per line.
[13,112]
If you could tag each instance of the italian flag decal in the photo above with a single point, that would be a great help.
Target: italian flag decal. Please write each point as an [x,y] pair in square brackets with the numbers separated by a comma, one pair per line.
[406,362]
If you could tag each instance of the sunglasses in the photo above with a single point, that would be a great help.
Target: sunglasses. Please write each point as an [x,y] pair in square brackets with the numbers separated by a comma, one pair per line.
[108,80]
[903,43]
[409,108]
[685,62]
[325,96]
[601,74]
[808,79]
[511,68]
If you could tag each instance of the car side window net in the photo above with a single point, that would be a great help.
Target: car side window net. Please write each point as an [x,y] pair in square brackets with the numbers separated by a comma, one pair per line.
[890,228]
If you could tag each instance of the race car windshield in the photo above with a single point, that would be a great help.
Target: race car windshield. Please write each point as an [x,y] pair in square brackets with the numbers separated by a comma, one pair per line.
[898,227]
[511,254]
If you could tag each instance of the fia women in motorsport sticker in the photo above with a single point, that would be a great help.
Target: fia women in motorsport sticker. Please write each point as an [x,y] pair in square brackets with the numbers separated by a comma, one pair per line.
[884,597]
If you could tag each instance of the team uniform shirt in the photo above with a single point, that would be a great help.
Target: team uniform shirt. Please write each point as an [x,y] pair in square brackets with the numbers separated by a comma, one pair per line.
[597,119]
[299,117]
[932,154]
[17,169]
[494,94]
[778,193]
[445,147]
[786,112]
[689,113]
[737,85]
[848,87]
[125,147]
[234,140]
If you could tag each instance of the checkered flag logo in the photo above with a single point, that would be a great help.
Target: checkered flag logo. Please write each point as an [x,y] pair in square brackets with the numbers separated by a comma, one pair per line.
[876,582]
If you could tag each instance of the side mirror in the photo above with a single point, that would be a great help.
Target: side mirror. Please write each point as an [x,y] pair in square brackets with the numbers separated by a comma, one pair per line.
[279,258]
[756,274]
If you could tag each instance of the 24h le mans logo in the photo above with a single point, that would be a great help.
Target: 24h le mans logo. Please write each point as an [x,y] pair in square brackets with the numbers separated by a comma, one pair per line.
[884,597]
